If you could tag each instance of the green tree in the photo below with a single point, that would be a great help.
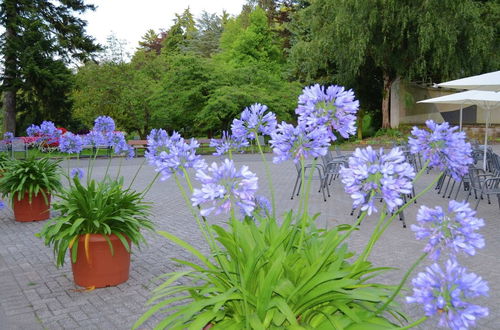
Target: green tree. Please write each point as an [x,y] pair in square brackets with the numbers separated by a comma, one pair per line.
[36,102]
[415,40]
[205,40]
[60,33]
[235,88]
[120,90]
[249,39]
[152,41]
[182,92]
[248,69]
[180,33]
[115,50]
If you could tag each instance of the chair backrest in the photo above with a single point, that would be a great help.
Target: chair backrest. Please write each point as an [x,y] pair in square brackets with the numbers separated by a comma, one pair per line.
[337,151]
[475,177]
[4,146]
[328,157]
[18,145]
[493,162]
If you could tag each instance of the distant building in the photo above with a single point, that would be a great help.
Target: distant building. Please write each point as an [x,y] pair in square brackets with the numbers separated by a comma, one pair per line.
[406,111]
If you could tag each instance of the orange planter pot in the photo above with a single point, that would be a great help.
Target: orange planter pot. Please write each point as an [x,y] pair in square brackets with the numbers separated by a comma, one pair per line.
[37,210]
[101,269]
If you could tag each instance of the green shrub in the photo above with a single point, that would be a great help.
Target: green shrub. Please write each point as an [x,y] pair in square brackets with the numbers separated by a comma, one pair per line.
[263,279]
[30,176]
[97,208]
[389,132]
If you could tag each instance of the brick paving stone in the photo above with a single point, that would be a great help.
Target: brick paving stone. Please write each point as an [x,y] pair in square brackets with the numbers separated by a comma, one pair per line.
[33,288]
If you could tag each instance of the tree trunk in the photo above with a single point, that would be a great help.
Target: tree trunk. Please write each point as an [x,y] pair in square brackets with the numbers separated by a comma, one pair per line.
[386,123]
[10,66]
[9,117]
[361,115]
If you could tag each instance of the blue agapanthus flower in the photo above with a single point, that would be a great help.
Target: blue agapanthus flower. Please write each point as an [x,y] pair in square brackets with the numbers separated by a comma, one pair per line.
[8,137]
[48,128]
[263,206]
[47,132]
[443,147]
[224,187]
[254,119]
[373,174]
[455,230]
[33,130]
[77,172]
[158,141]
[117,141]
[104,124]
[332,107]
[446,295]
[172,154]
[95,138]
[2,204]
[130,152]
[290,142]
[71,143]
[228,143]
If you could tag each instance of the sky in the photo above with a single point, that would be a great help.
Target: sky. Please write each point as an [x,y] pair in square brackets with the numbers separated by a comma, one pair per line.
[130,19]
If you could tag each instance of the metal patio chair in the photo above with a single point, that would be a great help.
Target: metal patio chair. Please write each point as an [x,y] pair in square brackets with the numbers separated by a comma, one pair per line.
[18,145]
[483,183]
[307,168]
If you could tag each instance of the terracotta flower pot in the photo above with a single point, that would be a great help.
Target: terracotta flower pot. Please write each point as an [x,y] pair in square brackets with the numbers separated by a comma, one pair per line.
[99,268]
[37,210]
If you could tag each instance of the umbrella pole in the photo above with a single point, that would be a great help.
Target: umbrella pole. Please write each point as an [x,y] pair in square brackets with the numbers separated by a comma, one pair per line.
[461,107]
[486,138]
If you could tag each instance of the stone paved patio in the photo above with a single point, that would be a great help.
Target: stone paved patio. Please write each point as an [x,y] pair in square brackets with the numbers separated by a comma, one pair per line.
[36,295]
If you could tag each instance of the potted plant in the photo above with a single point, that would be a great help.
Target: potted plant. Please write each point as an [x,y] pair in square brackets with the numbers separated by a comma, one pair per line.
[266,272]
[29,184]
[98,223]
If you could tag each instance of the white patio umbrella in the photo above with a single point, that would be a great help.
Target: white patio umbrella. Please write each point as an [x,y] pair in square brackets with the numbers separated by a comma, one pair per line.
[483,82]
[484,99]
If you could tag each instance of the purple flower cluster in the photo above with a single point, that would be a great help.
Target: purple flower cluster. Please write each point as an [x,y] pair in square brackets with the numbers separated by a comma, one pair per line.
[263,206]
[290,142]
[33,130]
[332,107]
[371,173]
[2,204]
[171,154]
[104,124]
[227,143]
[455,230]
[95,138]
[78,172]
[442,147]
[47,132]
[47,128]
[253,120]
[444,293]
[8,137]
[71,143]
[117,141]
[224,186]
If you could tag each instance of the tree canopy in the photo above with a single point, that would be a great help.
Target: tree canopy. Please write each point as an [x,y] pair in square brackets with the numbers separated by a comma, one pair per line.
[197,74]
[38,34]
[415,40]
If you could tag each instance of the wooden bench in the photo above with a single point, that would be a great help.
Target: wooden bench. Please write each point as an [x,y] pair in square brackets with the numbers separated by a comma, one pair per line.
[138,144]
[143,144]
[204,145]
[95,148]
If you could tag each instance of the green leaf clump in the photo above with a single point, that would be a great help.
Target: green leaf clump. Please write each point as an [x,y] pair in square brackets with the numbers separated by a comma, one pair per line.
[4,161]
[31,176]
[96,208]
[264,278]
